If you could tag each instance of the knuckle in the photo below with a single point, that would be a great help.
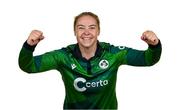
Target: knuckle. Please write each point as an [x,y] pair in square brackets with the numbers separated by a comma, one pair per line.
[37,32]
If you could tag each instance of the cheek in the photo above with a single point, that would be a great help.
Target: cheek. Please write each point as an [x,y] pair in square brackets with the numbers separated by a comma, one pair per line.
[96,32]
[77,34]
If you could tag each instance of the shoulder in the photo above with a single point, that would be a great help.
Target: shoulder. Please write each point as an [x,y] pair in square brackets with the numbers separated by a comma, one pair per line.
[67,50]
[64,50]
[112,48]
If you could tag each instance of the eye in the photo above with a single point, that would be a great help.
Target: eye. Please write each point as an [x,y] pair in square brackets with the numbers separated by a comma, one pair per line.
[92,27]
[81,28]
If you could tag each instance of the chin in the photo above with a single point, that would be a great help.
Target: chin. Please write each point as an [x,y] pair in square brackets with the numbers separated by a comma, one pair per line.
[86,45]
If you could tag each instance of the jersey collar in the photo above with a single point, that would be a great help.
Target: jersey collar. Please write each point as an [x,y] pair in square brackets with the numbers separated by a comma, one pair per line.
[77,52]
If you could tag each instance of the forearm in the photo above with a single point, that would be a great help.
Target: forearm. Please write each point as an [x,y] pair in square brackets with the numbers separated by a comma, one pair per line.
[144,58]
[34,64]
[26,60]
[152,54]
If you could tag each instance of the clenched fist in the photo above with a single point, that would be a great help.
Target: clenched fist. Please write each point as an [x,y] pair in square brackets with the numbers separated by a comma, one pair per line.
[150,38]
[35,37]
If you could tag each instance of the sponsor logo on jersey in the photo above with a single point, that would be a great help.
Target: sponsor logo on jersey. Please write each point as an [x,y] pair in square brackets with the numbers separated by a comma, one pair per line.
[73,66]
[86,85]
[121,47]
[103,64]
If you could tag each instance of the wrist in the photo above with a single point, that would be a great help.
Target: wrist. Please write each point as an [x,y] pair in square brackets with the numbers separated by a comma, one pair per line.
[158,44]
[28,46]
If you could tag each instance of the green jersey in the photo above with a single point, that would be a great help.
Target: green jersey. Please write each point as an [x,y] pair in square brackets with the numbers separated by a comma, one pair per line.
[89,84]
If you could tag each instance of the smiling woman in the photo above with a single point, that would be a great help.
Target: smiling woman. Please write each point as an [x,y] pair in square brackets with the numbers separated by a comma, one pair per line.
[88,68]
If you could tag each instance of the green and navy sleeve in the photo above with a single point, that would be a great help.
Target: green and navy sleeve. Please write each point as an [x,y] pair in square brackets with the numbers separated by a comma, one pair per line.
[135,57]
[40,63]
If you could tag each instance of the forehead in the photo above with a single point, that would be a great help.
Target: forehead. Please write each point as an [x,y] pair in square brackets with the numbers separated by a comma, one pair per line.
[86,20]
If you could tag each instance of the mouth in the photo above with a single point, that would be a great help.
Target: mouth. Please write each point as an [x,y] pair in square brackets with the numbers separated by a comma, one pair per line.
[86,38]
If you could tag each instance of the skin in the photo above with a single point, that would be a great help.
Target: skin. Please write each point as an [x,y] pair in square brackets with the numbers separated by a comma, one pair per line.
[150,37]
[35,37]
[87,32]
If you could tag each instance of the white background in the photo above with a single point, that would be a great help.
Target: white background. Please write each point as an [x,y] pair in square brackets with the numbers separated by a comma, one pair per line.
[122,23]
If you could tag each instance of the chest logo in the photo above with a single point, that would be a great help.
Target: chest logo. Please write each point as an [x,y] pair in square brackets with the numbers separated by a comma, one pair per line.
[73,66]
[81,84]
[103,64]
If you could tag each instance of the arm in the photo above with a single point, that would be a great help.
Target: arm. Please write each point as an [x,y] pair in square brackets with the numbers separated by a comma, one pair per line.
[34,64]
[144,58]
[148,57]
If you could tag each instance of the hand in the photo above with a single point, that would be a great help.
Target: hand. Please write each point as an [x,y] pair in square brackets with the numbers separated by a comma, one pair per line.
[35,37]
[150,38]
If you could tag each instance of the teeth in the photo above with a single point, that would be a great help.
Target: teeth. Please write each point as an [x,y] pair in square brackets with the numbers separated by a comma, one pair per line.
[86,38]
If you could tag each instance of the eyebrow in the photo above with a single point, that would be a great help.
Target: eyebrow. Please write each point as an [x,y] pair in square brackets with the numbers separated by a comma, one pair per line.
[88,26]
[92,25]
[79,25]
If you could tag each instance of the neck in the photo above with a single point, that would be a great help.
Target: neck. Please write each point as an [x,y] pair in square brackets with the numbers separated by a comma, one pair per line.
[88,52]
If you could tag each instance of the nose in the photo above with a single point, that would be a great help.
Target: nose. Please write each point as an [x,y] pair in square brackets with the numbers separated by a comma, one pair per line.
[86,32]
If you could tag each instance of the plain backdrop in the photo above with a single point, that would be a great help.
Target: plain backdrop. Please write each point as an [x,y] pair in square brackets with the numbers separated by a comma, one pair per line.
[122,23]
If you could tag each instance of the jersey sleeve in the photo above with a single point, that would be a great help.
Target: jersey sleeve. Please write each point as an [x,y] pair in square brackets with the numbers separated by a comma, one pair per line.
[40,63]
[136,57]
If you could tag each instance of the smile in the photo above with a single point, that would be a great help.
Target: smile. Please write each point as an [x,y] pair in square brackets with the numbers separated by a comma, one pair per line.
[86,38]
